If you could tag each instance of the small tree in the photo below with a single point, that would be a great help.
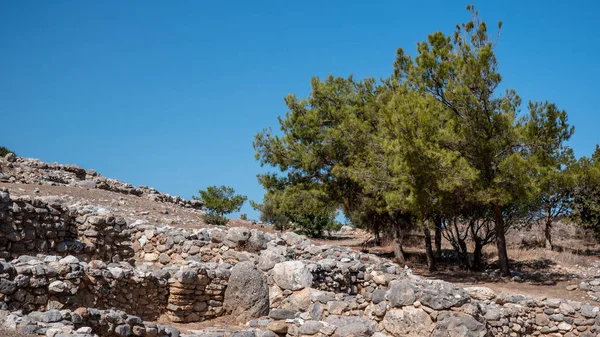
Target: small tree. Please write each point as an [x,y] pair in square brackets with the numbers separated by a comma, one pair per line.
[220,201]
[585,205]
[4,151]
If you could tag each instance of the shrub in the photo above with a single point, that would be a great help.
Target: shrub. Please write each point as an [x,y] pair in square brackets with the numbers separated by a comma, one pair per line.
[218,202]
[244,216]
[215,219]
[4,151]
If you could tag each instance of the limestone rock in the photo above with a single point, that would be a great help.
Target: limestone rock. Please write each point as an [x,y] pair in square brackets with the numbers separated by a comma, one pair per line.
[292,275]
[454,324]
[401,293]
[247,294]
[481,293]
[407,322]
[440,295]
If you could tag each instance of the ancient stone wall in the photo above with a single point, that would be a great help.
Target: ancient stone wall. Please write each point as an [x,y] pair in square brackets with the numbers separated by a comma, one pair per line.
[53,257]
[45,225]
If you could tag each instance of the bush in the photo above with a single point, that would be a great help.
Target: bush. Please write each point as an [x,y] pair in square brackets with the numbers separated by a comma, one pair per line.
[218,202]
[244,216]
[4,151]
[215,219]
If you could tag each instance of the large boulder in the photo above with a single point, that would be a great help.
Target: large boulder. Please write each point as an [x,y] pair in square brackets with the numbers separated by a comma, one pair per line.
[455,324]
[407,322]
[401,293]
[247,294]
[292,275]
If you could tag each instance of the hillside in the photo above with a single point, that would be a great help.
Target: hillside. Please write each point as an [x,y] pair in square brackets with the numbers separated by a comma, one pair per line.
[86,255]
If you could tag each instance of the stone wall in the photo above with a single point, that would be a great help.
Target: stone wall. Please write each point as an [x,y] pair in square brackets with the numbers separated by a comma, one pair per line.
[33,171]
[45,225]
[84,322]
[54,257]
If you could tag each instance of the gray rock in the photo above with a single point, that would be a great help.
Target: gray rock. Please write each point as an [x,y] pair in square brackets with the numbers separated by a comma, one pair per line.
[123,330]
[237,236]
[401,293]
[51,316]
[354,330]
[10,157]
[247,294]
[57,287]
[270,257]
[292,275]
[351,325]
[407,322]
[378,296]
[310,327]
[454,324]
[281,314]
[7,287]
[440,295]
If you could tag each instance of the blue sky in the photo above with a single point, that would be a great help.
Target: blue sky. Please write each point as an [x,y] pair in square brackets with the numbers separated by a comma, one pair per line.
[171,94]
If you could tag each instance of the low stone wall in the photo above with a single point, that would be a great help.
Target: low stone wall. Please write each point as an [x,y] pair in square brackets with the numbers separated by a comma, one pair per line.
[509,314]
[46,226]
[85,322]
[196,294]
[186,294]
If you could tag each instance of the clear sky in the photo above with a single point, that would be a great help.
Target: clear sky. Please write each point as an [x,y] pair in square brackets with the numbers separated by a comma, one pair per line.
[170,94]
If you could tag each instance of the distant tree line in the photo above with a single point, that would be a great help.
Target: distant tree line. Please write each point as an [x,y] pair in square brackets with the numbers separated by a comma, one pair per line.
[436,147]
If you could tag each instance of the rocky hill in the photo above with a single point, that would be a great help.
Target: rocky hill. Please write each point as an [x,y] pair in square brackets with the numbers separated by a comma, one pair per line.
[77,264]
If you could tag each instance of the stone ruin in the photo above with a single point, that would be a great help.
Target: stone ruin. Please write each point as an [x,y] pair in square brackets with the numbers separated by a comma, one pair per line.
[69,271]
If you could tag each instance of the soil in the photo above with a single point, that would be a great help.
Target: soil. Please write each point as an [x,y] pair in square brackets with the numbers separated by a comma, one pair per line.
[126,205]
[543,279]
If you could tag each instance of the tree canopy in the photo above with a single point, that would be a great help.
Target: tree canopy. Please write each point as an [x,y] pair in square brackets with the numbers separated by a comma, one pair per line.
[436,145]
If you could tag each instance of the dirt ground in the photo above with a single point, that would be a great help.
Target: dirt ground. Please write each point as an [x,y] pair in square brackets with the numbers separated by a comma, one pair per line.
[544,277]
[125,205]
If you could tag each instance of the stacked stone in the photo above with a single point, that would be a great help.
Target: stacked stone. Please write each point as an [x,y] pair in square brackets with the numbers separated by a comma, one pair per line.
[106,237]
[194,296]
[86,322]
[121,286]
[34,171]
[45,225]
[517,315]
[36,225]
[33,284]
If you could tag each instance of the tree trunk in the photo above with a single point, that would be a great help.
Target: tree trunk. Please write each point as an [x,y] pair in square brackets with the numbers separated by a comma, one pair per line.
[501,241]
[548,233]
[438,238]
[429,249]
[377,234]
[464,253]
[478,255]
[398,241]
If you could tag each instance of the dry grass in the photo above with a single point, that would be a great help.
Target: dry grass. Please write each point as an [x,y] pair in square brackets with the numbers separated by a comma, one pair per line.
[542,256]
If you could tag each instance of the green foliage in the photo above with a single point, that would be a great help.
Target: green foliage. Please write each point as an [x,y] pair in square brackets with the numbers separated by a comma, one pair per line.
[4,151]
[270,214]
[215,219]
[244,216]
[437,142]
[220,200]
[585,204]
